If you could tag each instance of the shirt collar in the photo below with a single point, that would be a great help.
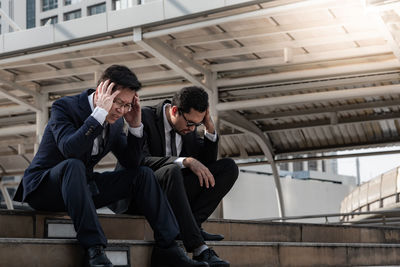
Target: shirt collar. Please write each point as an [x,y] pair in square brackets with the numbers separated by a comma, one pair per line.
[90,98]
[167,126]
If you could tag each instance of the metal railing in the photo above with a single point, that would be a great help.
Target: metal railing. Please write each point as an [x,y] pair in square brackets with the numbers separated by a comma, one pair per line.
[377,218]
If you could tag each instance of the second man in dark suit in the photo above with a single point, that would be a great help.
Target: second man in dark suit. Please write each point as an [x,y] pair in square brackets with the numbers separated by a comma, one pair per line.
[186,165]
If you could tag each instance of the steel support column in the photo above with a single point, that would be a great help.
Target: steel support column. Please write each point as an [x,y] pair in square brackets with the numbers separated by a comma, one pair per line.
[234,120]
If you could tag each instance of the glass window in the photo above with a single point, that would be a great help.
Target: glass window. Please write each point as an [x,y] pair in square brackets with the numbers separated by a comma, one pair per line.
[297,166]
[49,4]
[30,14]
[312,165]
[97,9]
[284,166]
[122,4]
[71,2]
[51,20]
[73,15]
[11,9]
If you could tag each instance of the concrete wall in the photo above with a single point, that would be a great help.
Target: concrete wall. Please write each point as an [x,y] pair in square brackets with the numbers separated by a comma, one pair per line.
[253,196]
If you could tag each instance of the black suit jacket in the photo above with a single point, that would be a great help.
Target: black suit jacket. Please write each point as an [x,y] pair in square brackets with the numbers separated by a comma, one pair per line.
[70,133]
[193,145]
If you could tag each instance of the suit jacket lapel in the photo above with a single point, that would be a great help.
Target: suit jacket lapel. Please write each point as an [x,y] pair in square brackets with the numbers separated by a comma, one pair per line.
[160,123]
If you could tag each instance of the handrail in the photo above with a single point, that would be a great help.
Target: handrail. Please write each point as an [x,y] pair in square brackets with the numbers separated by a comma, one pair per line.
[328,215]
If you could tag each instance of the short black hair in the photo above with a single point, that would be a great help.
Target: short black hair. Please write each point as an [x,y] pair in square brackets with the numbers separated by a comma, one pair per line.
[122,76]
[191,97]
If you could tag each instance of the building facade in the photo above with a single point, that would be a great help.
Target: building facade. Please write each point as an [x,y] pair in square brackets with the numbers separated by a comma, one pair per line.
[28,14]
[55,11]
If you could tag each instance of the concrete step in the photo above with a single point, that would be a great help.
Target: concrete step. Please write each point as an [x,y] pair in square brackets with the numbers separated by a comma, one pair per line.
[67,253]
[27,224]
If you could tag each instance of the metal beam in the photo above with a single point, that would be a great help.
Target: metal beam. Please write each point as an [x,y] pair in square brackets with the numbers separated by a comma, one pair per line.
[171,58]
[252,14]
[310,25]
[17,140]
[75,55]
[17,130]
[390,33]
[236,121]
[71,48]
[277,46]
[304,59]
[328,122]
[310,97]
[324,110]
[18,87]
[342,156]
[308,85]
[312,73]
[46,75]
[19,100]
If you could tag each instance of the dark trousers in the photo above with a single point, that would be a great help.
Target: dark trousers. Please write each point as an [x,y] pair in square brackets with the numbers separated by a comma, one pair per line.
[191,203]
[65,189]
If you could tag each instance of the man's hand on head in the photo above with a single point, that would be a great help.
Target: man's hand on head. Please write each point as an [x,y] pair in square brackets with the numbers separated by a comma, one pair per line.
[105,96]
[203,173]
[134,116]
[208,123]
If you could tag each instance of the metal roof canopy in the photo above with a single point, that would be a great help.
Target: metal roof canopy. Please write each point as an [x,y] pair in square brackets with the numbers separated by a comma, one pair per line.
[285,77]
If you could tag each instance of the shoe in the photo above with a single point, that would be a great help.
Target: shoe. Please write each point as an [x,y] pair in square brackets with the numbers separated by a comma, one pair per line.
[173,257]
[211,258]
[211,237]
[96,257]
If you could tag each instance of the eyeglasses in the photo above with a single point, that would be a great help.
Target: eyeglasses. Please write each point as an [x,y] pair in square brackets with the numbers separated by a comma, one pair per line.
[190,123]
[122,105]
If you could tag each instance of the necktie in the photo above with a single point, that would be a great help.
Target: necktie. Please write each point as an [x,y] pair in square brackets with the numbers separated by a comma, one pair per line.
[173,143]
[103,137]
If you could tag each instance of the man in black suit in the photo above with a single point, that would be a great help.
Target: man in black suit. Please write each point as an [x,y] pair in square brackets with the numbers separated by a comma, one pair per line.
[186,165]
[82,129]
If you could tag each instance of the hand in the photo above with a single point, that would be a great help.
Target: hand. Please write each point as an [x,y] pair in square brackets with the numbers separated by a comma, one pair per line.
[208,123]
[202,172]
[134,116]
[104,95]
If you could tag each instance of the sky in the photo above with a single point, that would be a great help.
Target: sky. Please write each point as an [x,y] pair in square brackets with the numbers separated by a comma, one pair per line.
[371,166]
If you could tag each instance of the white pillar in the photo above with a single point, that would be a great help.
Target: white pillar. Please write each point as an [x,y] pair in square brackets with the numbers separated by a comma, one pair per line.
[211,81]
[42,117]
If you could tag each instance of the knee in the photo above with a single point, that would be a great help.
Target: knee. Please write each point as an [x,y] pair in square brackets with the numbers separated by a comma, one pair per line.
[230,168]
[173,176]
[144,174]
[73,170]
[173,170]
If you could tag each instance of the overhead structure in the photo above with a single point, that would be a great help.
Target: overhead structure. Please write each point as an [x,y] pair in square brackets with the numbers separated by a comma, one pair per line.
[286,77]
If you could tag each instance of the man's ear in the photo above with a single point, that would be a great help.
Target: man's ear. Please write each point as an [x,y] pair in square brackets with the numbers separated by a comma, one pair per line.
[174,110]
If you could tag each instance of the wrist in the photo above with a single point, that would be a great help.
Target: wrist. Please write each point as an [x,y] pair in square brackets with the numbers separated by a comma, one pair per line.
[135,125]
[186,162]
[210,129]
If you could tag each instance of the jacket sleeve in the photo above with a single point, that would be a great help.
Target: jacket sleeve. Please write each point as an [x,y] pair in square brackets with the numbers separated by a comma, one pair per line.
[206,151]
[71,140]
[128,149]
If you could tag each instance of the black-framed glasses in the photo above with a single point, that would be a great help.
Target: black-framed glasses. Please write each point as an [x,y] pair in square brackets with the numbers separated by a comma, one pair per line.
[122,105]
[190,123]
